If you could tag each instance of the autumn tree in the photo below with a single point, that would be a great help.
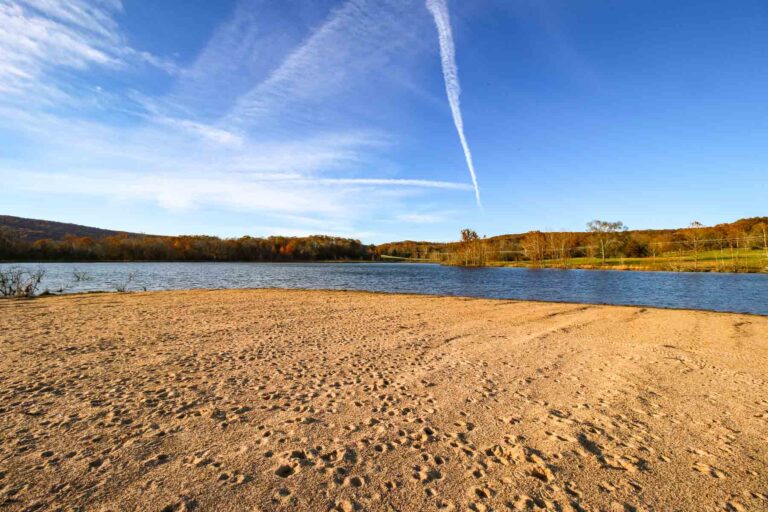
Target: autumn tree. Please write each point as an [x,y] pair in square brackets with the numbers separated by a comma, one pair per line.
[694,234]
[605,233]
[534,245]
[760,232]
[472,249]
[10,243]
[561,244]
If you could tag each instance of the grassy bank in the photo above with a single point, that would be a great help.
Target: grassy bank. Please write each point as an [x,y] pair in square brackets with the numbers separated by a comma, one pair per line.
[741,261]
[750,261]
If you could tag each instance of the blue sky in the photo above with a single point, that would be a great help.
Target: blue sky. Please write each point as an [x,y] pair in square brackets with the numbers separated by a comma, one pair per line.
[316,116]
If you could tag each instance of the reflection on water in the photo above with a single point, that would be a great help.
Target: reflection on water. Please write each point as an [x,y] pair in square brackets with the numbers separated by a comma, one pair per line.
[746,293]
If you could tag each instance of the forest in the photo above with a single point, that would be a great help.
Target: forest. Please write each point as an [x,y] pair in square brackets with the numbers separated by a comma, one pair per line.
[740,246]
[128,247]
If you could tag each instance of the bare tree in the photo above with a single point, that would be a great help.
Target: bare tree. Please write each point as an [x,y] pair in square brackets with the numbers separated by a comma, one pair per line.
[534,245]
[563,243]
[760,234]
[551,250]
[694,233]
[605,233]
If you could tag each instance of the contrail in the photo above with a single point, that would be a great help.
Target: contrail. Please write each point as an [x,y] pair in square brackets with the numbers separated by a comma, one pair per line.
[439,11]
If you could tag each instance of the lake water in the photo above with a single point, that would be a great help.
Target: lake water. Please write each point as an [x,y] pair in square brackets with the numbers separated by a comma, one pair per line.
[745,293]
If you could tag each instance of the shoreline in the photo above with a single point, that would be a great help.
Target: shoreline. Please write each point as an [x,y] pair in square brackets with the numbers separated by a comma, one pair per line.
[351,400]
[386,293]
[616,268]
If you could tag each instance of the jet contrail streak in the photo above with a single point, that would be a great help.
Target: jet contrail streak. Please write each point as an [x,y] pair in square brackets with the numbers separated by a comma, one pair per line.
[439,11]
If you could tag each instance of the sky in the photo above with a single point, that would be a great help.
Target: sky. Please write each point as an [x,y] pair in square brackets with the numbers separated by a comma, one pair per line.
[368,118]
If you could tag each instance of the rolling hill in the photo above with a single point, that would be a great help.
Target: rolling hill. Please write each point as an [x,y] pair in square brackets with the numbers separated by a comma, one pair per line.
[31,230]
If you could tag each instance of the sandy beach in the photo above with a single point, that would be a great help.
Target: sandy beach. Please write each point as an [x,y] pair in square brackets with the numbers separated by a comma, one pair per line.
[301,400]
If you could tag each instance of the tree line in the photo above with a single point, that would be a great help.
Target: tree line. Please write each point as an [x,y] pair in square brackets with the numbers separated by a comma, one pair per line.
[602,240]
[126,247]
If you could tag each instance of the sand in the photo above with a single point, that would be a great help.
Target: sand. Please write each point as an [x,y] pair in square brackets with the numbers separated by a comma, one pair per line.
[303,400]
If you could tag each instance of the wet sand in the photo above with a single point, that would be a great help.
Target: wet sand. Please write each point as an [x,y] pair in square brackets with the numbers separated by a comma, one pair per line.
[304,400]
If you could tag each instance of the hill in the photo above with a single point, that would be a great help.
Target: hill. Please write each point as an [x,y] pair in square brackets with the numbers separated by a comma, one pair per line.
[41,240]
[32,230]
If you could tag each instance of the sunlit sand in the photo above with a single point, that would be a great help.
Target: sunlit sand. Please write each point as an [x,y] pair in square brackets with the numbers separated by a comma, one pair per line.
[298,400]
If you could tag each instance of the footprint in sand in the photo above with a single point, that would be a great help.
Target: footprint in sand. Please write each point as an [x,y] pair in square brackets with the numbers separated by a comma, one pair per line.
[185,504]
[706,469]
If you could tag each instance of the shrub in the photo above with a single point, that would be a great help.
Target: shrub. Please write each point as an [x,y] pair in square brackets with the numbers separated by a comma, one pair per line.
[122,286]
[17,282]
[80,275]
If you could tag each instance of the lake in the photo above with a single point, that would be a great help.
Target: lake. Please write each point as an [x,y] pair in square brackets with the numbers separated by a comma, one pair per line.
[744,293]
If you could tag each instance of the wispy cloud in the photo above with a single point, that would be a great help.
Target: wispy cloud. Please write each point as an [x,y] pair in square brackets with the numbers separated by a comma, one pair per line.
[165,166]
[183,192]
[439,11]
[95,18]
[39,37]
[265,193]
[205,131]
[449,185]
[194,148]
[355,40]
[421,218]
[31,44]
[241,52]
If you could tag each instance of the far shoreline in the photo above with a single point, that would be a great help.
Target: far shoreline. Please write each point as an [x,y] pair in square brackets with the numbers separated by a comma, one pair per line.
[614,268]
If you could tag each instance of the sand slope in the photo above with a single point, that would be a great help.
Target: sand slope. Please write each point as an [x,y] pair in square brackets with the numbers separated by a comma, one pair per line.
[293,400]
